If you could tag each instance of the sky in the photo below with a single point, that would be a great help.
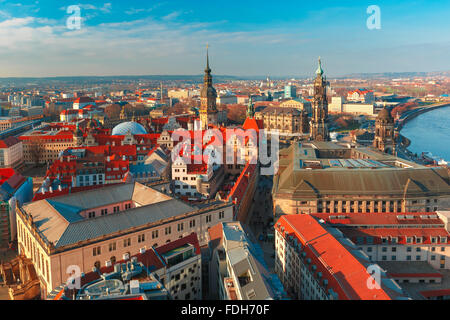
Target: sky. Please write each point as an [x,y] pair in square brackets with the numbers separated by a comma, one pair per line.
[246,37]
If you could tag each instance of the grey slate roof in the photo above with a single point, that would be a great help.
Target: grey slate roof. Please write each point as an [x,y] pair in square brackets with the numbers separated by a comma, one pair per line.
[59,221]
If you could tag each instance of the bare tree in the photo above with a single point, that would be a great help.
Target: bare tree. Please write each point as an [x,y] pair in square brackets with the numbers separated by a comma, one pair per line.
[113,111]
[36,149]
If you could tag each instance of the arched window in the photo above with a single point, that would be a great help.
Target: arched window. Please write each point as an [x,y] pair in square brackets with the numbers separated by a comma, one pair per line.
[113,260]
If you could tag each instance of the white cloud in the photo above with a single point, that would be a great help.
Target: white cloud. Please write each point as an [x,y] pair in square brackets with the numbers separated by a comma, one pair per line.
[172,16]
[42,47]
[15,22]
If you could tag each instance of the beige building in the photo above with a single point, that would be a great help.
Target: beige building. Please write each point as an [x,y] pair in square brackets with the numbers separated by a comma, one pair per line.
[385,237]
[196,180]
[338,105]
[11,153]
[180,94]
[329,178]
[45,146]
[287,121]
[315,262]
[226,99]
[98,227]
[299,103]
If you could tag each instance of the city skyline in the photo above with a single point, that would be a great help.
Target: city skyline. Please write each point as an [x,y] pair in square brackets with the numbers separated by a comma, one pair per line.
[246,39]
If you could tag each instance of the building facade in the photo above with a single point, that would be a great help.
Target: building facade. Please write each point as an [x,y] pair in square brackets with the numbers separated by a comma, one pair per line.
[11,153]
[316,263]
[96,227]
[325,177]
[287,121]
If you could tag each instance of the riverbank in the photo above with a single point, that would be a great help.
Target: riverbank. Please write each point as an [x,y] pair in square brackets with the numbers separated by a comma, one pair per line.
[428,132]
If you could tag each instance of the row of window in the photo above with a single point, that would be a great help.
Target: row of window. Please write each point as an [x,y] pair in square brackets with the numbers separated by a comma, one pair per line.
[36,256]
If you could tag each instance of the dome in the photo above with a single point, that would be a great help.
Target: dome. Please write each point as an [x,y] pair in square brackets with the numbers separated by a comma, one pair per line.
[125,127]
[384,114]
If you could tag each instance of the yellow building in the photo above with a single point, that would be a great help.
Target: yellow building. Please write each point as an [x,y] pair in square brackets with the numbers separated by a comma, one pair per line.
[325,177]
[80,231]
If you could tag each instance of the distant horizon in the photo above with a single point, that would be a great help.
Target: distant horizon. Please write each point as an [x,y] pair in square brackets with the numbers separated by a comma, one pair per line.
[41,39]
[223,75]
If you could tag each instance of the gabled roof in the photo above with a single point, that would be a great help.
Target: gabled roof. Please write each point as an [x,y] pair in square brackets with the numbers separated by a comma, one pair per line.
[252,123]
[9,142]
[346,275]
[59,219]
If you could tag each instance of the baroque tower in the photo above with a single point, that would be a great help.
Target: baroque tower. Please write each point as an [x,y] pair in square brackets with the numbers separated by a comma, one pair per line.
[250,108]
[208,96]
[319,125]
[384,132]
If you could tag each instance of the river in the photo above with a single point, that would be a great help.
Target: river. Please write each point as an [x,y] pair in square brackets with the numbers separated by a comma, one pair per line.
[430,132]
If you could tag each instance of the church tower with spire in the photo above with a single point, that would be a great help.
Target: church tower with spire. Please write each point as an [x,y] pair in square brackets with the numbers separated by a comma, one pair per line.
[208,96]
[250,108]
[319,125]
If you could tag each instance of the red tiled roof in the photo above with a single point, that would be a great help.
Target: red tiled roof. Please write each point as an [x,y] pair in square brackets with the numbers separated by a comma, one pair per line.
[6,173]
[56,193]
[360,91]
[399,233]
[69,111]
[84,100]
[10,176]
[344,272]
[360,226]
[381,219]
[435,293]
[240,187]
[252,123]
[416,275]
[197,168]
[8,142]
[216,234]
[191,239]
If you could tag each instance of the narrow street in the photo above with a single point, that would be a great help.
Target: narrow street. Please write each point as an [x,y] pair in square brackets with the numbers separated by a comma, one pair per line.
[260,219]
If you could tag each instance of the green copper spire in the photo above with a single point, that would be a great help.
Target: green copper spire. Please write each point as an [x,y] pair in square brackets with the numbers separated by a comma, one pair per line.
[319,68]
[250,108]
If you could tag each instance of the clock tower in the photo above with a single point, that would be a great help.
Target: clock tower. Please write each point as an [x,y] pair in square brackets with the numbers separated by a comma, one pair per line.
[208,97]
[319,125]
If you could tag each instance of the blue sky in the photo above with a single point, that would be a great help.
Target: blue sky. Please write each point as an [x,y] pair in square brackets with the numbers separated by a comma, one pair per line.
[246,37]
